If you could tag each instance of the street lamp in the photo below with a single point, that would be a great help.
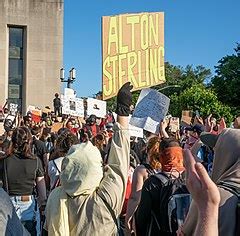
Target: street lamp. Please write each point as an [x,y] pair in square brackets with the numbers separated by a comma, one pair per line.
[71,78]
[169,86]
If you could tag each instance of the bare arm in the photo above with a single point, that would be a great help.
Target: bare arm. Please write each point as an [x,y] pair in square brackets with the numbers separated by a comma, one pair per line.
[135,197]
[123,121]
[163,133]
[45,160]
[205,195]
[207,222]
[41,189]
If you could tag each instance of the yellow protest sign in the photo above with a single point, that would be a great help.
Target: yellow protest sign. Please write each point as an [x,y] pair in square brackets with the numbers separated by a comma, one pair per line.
[132,50]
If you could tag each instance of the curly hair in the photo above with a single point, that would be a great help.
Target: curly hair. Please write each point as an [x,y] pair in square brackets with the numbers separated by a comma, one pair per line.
[153,146]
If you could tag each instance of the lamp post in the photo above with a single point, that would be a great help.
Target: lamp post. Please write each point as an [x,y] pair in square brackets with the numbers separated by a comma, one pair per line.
[70,79]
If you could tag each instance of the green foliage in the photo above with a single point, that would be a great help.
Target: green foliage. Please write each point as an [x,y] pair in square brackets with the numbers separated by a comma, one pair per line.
[221,98]
[111,104]
[227,81]
[182,77]
[199,98]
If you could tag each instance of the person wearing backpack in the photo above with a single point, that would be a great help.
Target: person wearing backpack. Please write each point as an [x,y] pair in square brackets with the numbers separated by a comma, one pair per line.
[226,175]
[141,173]
[152,216]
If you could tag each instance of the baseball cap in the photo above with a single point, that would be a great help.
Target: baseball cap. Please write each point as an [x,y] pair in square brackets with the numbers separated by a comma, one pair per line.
[109,125]
[209,139]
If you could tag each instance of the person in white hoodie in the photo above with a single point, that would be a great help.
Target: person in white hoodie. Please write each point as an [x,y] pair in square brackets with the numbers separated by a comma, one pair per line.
[90,198]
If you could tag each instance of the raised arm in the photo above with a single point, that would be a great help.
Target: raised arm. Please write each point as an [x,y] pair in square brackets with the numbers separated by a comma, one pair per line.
[206,198]
[113,186]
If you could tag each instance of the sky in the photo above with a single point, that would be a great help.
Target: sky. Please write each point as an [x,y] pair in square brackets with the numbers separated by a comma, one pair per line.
[196,33]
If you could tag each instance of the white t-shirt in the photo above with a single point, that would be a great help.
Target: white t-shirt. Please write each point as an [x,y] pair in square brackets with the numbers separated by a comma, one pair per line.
[54,168]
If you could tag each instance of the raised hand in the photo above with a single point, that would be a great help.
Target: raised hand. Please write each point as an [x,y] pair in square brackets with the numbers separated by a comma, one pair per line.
[203,190]
[124,100]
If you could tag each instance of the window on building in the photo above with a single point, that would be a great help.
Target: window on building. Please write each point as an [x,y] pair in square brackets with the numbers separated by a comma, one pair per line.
[15,65]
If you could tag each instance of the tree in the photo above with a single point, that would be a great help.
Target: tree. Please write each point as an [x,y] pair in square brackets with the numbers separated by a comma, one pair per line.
[183,77]
[199,98]
[175,75]
[226,83]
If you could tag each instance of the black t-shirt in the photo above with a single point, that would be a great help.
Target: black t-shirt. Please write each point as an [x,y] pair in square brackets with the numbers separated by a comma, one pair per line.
[56,102]
[39,149]
[21,174]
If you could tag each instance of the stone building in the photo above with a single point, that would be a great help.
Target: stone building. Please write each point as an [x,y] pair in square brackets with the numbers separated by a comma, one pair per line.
[31,51]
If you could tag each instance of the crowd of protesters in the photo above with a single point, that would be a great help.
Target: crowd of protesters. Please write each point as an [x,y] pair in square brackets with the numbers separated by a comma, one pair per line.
[89,177]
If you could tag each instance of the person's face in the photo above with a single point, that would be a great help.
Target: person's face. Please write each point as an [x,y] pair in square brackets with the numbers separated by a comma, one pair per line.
[98,121]
[69,125]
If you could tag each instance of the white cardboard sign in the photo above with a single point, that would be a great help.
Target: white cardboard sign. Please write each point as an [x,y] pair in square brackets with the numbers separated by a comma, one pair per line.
[72,106]
[96,107]
[151,108]
[69,93]
[135,131]
[13,108]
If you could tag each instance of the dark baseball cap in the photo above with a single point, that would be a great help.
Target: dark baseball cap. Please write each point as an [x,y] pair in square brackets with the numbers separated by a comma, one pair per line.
[209,139]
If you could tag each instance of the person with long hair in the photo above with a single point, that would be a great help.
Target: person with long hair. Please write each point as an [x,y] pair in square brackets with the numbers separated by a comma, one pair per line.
[23,172]
[141,173]
[63,144]
[101,142]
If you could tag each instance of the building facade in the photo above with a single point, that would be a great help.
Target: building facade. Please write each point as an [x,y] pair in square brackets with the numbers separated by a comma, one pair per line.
[31,51]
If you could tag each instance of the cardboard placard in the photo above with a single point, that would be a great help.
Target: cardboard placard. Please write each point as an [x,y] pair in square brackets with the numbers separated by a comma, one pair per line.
[72,106]
[96,107]
[46,110]
[133,50]
[151,108]
[69,93]
[13,109]
[36,113]
[56,126]
[135,131]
